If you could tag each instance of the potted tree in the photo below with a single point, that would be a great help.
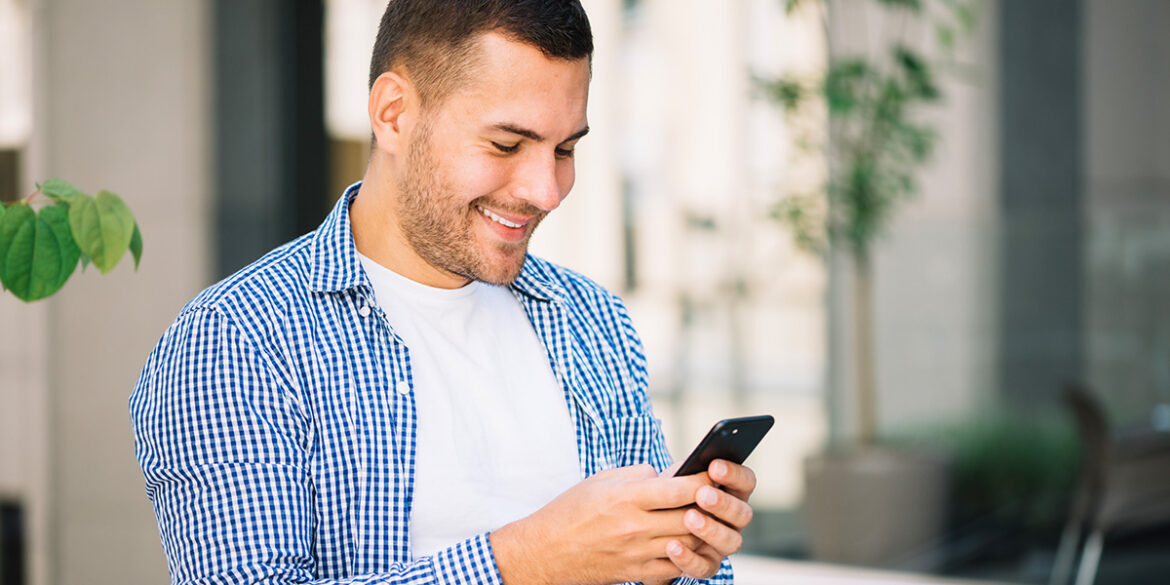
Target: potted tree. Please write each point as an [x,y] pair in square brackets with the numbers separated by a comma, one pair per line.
[866,504]
[44,236]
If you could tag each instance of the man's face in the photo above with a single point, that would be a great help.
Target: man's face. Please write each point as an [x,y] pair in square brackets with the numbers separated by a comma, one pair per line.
[488,163]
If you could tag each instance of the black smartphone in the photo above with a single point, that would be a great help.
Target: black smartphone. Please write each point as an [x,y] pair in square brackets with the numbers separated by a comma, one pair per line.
[732,439]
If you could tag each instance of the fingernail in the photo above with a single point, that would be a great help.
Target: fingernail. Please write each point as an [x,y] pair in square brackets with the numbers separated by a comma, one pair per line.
[708,496]
[695,520]
[674,548]
[719,468]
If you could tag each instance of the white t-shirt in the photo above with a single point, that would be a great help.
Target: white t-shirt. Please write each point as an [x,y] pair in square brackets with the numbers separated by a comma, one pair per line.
[495,442]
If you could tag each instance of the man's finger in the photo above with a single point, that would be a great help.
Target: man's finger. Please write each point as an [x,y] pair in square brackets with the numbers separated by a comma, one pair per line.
[670,471]
[663,523]
[720,537]
[726,507]
[691,563]
[688,540]
[632,472]
[659,569]
[664,493]
[736,479]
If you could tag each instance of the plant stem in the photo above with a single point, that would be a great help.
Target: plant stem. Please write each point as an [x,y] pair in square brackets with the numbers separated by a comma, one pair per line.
[28,200]
[824,13]
[863,349]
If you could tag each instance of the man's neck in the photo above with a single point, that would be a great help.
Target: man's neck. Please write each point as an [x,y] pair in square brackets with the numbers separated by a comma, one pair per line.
[377,233]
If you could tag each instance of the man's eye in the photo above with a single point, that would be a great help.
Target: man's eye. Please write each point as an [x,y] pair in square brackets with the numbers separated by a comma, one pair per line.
[506,148]
[564,152]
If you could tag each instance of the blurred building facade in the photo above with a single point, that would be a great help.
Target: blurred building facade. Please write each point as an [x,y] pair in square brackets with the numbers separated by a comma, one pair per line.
[1037,250]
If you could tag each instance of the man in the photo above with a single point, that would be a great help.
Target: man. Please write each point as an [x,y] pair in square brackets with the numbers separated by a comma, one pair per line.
[404,395]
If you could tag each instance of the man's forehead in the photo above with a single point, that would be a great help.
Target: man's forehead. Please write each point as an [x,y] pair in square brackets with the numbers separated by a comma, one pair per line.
[494,53]
[514,86]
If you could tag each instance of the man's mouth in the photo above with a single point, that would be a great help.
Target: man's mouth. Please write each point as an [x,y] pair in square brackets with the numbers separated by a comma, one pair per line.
[500,220]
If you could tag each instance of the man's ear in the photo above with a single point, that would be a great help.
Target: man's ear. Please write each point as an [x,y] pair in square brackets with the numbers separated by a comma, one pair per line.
[392,101]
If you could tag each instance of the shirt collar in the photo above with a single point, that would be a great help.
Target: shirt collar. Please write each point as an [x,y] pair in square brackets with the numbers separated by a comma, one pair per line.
[535,283]
[336,266]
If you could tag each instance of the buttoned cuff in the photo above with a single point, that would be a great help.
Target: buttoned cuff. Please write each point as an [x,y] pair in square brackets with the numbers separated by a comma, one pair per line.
[470,562]
[723,577]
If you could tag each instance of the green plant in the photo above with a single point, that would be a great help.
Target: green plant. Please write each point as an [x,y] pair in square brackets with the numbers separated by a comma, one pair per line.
[875,146]
[1010,467]
[45,235]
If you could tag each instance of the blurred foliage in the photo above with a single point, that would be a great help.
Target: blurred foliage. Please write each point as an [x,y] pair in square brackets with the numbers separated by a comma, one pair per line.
[875,144]
[1010,467]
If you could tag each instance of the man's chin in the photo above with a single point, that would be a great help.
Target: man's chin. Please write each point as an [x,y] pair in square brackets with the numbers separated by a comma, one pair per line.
[503,269]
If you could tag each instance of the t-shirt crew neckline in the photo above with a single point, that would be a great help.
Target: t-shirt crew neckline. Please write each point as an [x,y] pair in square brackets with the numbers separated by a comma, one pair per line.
[416,290]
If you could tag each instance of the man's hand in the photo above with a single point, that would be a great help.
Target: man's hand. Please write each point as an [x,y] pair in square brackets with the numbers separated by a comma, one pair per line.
[725,513]
[615,526]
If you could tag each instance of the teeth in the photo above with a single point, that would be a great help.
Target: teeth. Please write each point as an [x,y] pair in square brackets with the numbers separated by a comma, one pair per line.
[497,218]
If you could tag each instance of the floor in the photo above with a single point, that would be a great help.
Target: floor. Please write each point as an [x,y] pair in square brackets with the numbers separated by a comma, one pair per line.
[755,570]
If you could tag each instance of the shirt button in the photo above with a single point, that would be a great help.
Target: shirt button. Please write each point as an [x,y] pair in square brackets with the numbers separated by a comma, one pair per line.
[364,311]
[403,387]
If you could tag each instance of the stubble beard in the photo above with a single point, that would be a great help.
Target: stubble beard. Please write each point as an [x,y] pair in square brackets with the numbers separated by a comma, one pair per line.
[440,228]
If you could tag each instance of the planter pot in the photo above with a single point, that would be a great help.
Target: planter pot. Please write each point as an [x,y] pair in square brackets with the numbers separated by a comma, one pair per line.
[877,507]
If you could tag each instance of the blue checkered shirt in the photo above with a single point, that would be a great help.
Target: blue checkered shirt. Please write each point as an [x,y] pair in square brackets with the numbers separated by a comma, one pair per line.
[275,419]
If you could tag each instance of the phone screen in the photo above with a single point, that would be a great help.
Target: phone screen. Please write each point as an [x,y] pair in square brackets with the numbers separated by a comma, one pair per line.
[732,439]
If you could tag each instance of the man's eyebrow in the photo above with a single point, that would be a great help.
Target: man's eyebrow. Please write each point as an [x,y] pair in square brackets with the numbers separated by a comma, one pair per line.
[529,134]
[578,134]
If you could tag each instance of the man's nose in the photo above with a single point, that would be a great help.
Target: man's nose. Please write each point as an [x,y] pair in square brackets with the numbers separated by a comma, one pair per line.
[537,183]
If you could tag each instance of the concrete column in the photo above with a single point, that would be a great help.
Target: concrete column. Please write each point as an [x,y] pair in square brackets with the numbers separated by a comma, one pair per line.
[269,143]
[1041,142]
[1127,200]
[122,90]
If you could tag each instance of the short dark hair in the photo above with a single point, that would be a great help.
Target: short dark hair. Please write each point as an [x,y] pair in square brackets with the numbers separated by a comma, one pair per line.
[433,38]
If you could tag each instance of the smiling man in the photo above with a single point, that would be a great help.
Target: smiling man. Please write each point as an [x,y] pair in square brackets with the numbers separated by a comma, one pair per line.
[405,395]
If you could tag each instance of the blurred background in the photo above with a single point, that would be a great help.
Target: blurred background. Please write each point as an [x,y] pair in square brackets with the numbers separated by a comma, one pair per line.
[1020,300]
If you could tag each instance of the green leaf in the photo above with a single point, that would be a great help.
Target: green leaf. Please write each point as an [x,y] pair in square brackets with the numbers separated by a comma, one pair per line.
[965,12]
[136,246]
[34,255]
[910,61]
[918,140]
[845,83]
[945,34]
[919,77]
[12,222]
[103,227]
[85,261]
[802,214]
[17,233]
[56,217]
[786,91]
[59,190]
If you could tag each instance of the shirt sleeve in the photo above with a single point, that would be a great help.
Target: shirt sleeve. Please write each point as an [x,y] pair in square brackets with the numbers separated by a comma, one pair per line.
[642,434]
[224,445]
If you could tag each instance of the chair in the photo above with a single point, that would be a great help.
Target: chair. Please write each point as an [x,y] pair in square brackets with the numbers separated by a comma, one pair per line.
[1124,486]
